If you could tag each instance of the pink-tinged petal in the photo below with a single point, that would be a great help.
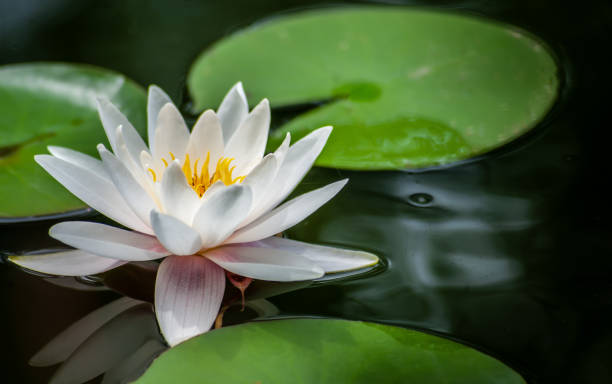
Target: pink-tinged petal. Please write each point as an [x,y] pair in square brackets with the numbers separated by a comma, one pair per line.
[287,215]
[221,212]
[171,134]
[177,197]
[94,190]
[106,241]
[331,259]
[112,118]
[188,294]
[79,159]
[156,100]
[114,342]
[65,343]
[233,110]
[206,137]
[132,191]
[248,143]
[175,235]
[264,263]
[66,263]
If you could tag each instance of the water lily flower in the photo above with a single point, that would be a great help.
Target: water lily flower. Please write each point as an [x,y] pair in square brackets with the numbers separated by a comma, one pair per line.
[205,201]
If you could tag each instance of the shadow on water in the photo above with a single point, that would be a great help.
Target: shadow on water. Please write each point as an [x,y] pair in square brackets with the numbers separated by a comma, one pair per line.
[511,254]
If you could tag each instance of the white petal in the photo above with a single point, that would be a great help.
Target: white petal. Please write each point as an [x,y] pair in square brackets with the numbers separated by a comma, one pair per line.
[156,100]
[206,137]
[106,241]
[110,345]
[222,212]
[80,159]
[67,263]
[188,294]
[233,110]
[62,345]
[94,190]
[177,197]
[264,263]
[171,134]
[112,118]
[175,236]
[287,215]
[297,162]
[261,177]
[134,166]
[131,190]
[263,202]
[329,258]
[248,143]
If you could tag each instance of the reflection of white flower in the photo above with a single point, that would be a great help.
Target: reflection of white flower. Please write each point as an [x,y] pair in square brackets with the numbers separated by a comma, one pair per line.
[207,201]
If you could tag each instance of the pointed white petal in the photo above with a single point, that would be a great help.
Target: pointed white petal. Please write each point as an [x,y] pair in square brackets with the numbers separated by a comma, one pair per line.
[171,134]
[175,236]
[156,100]
[177,197]
[329,258]
[298,160]
[110,345]
[134,167]
[248,143]
[62,345]
[188,294]
[233,110]
[96,191]
[131,190]
[221,213]
[206,137]
[106,241]
[80,159]
[287,215]
[112,118]
[261,177]
[67,263]
[264,263]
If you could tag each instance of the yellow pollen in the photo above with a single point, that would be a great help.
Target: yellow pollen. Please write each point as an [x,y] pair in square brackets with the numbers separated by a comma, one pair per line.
[202,180]
[153,173]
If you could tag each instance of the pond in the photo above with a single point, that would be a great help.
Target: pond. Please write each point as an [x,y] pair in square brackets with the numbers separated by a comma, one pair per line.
[508,252]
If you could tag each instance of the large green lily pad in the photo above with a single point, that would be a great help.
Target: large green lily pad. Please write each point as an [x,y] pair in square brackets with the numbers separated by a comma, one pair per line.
[53,104]
[404,88]
[324,351]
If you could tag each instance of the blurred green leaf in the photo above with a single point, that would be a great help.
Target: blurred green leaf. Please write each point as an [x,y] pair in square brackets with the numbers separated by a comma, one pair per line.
[324,351]
[53,104]
[403,88]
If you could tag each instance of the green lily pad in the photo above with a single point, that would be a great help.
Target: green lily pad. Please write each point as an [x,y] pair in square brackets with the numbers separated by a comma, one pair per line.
[403,88]
[324,351]
[53,104]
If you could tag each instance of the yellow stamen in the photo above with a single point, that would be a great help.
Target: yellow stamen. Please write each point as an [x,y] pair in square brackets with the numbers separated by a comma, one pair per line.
[154,175]
[201,179]
[187,169]
[165,162]
[172,156]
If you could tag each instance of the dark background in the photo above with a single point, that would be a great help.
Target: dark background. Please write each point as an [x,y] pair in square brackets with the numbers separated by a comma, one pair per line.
[532,220]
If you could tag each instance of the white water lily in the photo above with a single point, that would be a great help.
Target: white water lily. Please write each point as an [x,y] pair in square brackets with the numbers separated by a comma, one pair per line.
[205,201]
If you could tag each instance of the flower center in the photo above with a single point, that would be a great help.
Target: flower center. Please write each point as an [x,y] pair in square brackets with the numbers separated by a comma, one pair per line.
[199,178]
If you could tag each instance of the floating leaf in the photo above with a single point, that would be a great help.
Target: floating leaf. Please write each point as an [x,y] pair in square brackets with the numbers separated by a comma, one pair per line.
[52,104]
[403,88]
[324,351]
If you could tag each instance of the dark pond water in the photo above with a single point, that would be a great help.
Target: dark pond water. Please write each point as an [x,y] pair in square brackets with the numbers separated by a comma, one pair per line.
[511,253]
